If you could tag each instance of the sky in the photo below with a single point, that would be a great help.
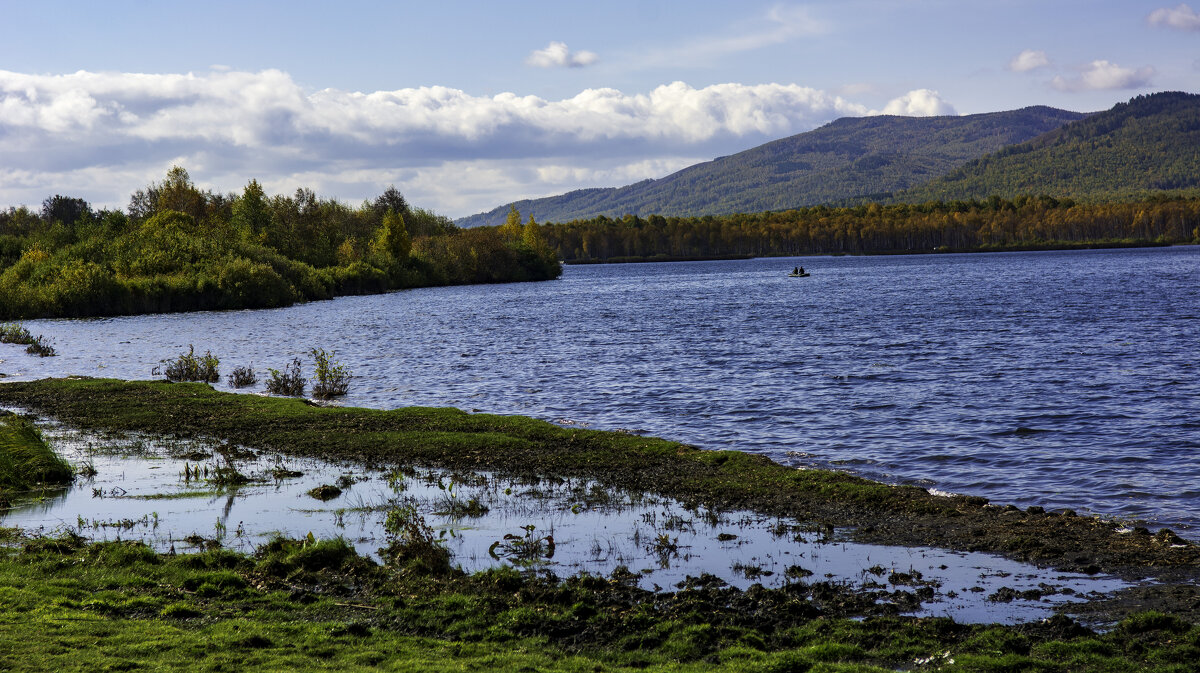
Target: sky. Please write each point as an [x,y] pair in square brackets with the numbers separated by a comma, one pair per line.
[465,106]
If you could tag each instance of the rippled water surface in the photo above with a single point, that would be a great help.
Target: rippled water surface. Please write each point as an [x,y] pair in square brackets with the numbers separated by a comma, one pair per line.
[1064,379]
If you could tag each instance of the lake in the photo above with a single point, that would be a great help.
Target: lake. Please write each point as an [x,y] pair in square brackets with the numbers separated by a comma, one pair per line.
[1063,379]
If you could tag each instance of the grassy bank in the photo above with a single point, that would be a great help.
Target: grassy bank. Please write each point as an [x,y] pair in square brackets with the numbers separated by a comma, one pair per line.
[515,445]
[295,605]
[25,460]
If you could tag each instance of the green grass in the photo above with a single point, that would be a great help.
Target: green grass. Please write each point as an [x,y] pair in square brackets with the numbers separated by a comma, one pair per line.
[26,461]
[295,605]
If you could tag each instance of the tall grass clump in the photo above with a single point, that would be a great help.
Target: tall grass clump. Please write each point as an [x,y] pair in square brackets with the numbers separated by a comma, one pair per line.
[192,367]
[15,333]
[288,382]
[25,458]
[333,380]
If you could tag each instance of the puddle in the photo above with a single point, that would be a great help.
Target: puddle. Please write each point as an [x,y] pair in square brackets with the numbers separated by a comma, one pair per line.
[179,494]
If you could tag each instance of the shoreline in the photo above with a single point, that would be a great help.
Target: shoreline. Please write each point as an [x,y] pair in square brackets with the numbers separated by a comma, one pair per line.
[451,438]
[1048,246]
[308,604]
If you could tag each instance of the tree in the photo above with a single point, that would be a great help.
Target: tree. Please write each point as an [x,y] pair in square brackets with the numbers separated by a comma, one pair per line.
[178,193]
[532,236]
[65,209]
[251,212]
[511,228]
[393,239]
[391,199]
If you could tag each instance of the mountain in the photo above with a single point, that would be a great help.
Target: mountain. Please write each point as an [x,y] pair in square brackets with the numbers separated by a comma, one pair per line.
[1151,143]
[851,159]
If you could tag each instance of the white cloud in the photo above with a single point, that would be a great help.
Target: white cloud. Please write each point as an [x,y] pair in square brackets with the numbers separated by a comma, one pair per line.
[1181,18]
[102,135]
[1102,74]
[557,55]
[1027,60]
[918,103]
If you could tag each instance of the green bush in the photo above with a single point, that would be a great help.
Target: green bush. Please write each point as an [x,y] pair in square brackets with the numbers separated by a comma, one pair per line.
[190,367]
[288,382]
[333,379]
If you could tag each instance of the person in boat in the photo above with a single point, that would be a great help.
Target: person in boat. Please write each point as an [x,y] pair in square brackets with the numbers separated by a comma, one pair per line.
[796,271]
[800,271]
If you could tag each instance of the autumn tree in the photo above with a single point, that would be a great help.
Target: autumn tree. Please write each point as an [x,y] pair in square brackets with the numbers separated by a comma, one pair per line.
[392,240]
[512,228]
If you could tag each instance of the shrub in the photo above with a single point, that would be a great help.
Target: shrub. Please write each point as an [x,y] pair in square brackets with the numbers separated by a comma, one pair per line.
[290,382]
[40,347]
[332,378]
[15,333]
[190,367]
[242,377]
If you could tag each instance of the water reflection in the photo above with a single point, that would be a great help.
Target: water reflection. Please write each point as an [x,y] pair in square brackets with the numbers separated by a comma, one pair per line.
[186,495]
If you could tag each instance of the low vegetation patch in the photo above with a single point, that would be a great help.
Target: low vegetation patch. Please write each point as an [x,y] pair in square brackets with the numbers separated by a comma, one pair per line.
[313,604]
[26,461]
[289,382]
[242,377]
[191,367]
[333,379]
[15,333]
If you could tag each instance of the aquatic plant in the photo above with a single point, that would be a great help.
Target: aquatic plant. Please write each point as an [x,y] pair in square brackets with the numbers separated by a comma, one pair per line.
[15,333]
[412,544]
[191,367]
[333,379]
[453,506]
[242,377]
[524,550]
[290,382]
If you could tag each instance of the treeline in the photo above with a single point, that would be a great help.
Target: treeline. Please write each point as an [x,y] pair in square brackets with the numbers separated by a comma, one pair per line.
[178,248]
[992,224]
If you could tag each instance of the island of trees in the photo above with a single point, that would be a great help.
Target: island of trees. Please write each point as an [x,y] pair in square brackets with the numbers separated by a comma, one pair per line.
[178,248]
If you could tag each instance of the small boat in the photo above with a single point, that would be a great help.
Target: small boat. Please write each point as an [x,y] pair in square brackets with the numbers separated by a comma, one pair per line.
[799,275]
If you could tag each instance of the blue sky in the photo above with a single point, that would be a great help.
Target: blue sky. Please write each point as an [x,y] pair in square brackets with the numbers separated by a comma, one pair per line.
[468,105]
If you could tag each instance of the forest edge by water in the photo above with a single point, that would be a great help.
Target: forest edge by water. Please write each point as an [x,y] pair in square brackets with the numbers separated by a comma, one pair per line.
[178,248]
[306,603]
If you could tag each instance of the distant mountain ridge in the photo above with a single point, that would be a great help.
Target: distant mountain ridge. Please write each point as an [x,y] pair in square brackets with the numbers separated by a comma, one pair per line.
[852,159]
[1149,144]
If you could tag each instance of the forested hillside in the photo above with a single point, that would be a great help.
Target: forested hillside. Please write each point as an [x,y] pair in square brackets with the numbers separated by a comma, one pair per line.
[178,248]
[993,224]
[1149,144]
[850,160]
